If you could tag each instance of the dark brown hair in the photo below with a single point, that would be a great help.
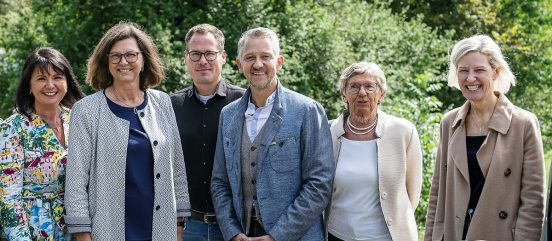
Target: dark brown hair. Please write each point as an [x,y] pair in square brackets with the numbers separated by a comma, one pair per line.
[98,75]
[46,58]
[205,29]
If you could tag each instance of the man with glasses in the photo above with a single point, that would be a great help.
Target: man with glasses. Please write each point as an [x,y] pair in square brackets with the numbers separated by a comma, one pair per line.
[273,169]
[197,109]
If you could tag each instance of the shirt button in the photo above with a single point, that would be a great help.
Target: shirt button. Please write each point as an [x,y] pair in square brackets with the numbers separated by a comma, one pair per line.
[383,195]
[204,125]
[204,144]
[157,207]
[253,181]
[507,172]
[253,148]
[205,108]
[158,176]
[503,215]
[204,182]
[142,114]
[253,164]
[204,163]
[254,197]
[389,222]
[155,143]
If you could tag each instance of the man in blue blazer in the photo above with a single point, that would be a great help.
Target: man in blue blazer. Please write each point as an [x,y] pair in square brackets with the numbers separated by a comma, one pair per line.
[273,168]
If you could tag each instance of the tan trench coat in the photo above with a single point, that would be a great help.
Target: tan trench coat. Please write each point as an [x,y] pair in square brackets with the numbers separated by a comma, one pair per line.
[511,206]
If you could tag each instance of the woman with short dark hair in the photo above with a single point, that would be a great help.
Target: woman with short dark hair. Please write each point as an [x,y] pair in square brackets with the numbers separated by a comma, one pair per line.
[33,149]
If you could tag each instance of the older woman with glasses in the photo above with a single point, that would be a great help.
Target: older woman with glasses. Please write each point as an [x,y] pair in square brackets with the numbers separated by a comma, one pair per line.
[378,159]
[126,178]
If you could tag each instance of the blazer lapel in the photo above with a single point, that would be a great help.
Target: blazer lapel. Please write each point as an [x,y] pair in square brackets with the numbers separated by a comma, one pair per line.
[271,127]
[235,129]
[457,143]
[499,123]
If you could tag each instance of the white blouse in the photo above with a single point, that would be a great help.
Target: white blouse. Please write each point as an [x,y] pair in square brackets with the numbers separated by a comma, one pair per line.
[356,212]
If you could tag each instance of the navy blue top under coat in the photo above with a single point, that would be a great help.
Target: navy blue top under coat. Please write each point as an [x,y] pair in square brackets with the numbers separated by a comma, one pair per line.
[477,180]
[139,190]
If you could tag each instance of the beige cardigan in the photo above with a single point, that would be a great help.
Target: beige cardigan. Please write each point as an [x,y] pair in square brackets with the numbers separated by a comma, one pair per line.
[399,171]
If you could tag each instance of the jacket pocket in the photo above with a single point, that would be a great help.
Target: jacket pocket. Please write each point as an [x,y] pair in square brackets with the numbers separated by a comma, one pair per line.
[283,154]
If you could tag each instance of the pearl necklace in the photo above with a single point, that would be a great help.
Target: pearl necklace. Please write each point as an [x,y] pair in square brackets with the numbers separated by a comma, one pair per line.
[363,130]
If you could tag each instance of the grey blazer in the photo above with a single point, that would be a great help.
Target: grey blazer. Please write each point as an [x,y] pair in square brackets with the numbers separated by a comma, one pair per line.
[95,185]
[294,172]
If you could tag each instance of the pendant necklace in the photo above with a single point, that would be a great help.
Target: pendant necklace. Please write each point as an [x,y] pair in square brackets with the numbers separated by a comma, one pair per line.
[477,124]
[363,130]
[114,93]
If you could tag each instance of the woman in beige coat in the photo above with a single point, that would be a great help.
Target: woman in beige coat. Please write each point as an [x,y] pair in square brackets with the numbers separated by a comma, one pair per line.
[489,174]
[378,164]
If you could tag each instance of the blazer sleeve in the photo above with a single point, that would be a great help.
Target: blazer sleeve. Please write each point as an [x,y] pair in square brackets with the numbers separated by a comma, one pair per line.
[221,191]
[317,172]
[13,218]
[183,207]
[82,146]
[414,168]
[531,210]
[439,173]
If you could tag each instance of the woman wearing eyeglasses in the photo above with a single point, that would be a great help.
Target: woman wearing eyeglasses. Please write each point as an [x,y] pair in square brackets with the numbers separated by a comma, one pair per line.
[126,178]
[378,159]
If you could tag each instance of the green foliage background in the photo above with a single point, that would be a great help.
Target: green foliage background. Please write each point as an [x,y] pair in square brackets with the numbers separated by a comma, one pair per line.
[410,39]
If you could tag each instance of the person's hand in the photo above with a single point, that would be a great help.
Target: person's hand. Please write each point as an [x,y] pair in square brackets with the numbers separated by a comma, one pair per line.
[179,232]
[262,238]
[240,237]
[83,236]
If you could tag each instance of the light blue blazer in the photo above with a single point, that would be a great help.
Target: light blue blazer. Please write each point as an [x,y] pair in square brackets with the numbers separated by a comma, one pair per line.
[294,172]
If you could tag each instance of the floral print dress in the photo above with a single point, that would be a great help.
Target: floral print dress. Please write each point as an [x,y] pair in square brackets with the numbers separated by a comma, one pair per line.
[32,178]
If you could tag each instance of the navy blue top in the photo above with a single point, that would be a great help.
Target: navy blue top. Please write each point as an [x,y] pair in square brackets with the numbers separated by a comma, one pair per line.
[477,180]
[139,189]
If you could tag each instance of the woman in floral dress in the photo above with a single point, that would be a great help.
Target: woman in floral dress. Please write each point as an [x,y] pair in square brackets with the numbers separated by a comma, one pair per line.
[33,149]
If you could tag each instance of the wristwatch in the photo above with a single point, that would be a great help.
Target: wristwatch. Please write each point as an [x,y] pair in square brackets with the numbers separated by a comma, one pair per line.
[181,222]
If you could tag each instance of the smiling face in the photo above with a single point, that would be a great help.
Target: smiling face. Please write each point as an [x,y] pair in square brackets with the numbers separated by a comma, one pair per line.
[203,71]
[259,63]
[476,76]
[363,96]
[48,87]
[125,71]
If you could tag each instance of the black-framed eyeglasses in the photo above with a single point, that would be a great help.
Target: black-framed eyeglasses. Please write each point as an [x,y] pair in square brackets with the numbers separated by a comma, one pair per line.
[354,88]
[209,55]
[130,57]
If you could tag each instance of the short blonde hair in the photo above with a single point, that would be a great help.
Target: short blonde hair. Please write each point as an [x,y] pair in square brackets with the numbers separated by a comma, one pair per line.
[362,68]
[487,46]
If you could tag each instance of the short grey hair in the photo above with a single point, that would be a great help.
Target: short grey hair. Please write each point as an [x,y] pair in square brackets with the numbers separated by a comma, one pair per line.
[362,68]
[487,46]
[259,32]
